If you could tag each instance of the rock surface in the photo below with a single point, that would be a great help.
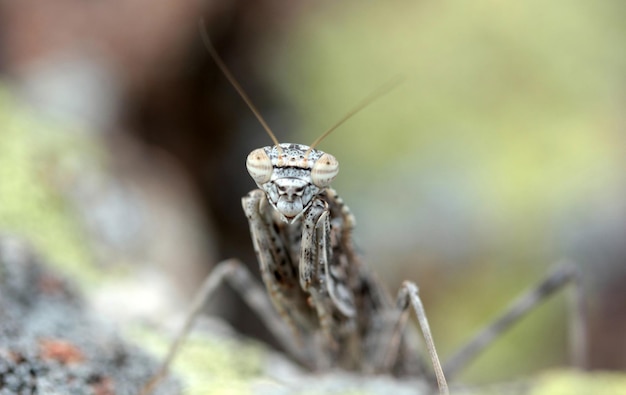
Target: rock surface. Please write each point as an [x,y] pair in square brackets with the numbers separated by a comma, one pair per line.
[50,343]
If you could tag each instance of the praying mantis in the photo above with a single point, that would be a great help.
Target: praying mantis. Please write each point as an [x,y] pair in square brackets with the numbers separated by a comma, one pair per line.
[321,302]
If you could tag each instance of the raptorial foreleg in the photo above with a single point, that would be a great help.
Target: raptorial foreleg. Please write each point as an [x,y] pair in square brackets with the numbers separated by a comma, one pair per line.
[322,275]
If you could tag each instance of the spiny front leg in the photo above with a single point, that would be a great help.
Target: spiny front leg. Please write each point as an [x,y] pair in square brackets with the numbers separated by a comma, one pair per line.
[318,273]
[277,270]
[311,271]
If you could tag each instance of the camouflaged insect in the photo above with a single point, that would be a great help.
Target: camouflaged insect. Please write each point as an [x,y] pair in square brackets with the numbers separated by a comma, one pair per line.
[335,308]
[302,234]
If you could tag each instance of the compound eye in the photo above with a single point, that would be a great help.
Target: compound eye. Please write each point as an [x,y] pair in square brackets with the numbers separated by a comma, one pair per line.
[324,170]
[259,166]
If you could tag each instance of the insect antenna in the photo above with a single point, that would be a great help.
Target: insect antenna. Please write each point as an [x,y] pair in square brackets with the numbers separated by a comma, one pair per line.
[233,81]
[377,94]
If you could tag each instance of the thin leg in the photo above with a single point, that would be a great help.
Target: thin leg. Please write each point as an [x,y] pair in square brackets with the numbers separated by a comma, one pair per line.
[564,274]
[253,294]
[409,296]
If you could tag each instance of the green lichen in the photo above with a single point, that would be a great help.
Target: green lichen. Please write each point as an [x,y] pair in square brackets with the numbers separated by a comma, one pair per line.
[209,365]
[216,366]
[571,382]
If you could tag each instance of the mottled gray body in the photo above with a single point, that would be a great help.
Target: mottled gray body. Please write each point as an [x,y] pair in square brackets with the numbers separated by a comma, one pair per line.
[308,263]
[339,313]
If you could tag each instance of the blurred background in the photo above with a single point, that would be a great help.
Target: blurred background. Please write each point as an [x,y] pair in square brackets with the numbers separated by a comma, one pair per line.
[122,150]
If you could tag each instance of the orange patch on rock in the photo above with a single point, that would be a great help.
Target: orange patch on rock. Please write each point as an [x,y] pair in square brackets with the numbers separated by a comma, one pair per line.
[60,350]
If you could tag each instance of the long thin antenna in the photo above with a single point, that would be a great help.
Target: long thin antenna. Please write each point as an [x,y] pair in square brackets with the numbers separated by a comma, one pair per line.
[220,63]
[378,93]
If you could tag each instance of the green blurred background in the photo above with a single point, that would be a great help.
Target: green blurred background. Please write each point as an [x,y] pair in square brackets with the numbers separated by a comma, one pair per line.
[502,153]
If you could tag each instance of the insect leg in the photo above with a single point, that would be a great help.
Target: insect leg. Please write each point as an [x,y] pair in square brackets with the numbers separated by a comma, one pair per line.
[313,255]
[277,272]
[408,296]
[252,293]
[562,275]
